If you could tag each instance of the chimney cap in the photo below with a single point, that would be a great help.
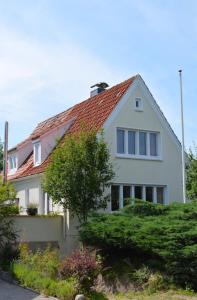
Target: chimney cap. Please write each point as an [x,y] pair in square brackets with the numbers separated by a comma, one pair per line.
[102,85]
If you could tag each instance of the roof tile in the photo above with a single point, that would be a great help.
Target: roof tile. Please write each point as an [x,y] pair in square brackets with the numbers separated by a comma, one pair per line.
[92,112]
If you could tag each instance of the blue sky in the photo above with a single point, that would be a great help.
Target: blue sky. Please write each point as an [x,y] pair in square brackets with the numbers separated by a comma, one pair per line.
[52,51]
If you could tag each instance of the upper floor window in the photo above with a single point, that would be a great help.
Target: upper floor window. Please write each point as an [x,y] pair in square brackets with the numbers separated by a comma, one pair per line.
[120,141]
[12,160]
[137,143]
[37,153]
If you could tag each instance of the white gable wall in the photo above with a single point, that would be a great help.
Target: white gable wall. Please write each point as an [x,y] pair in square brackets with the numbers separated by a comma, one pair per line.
[166,171]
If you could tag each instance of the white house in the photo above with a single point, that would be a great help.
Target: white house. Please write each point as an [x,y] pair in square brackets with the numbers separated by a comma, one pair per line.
[144,149]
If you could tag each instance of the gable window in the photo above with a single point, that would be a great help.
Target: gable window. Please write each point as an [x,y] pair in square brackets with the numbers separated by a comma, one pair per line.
[120,141]
[138,144]
[37,153]
[138,104]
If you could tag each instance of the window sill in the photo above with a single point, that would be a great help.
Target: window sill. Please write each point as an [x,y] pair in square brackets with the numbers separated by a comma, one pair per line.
[11,172]
[37,164]
[139,157]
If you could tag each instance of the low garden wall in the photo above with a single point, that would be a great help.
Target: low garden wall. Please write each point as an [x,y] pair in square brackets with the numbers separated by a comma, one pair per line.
[42,231]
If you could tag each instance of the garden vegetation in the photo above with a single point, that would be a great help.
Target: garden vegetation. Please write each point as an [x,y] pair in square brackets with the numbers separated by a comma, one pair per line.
[79,173]
[46,273]
[163,238]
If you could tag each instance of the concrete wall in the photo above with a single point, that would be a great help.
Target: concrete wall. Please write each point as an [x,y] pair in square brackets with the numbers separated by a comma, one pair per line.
[39,232]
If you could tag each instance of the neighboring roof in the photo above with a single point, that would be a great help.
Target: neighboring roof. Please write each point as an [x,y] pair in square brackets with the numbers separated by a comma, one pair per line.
[92,112]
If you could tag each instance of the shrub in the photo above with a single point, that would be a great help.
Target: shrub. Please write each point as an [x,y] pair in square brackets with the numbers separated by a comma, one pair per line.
[64,290]
[164,234]
[83,266]
[46,262]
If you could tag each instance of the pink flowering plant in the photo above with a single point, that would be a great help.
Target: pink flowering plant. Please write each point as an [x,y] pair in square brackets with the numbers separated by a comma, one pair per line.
[82,265]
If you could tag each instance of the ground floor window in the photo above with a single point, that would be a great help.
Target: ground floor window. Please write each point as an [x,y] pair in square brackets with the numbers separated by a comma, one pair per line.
[138,192]
[115,197]
[120,194]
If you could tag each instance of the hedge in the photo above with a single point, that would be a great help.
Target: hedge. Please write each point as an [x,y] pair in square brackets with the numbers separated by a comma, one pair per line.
[166,234]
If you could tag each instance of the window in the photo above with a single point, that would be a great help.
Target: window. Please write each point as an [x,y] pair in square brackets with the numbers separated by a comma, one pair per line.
[149,193]
[115,197]
[131,142]
[139,144]
[37,153]
[160,195]
[142,143]
[138,104]
[138,192]
[120,141]
[153,144]
[12,163]
[126,194]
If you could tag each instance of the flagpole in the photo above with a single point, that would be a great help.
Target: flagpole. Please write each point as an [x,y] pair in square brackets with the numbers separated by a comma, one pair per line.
[5,160]
[183,139]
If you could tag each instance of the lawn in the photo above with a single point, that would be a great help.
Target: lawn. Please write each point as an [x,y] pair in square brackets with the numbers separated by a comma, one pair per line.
[170,295]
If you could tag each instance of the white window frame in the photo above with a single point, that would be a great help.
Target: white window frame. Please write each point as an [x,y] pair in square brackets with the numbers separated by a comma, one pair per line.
[137,155]
[35,145]
[132,191]
[140,102]
[13,158]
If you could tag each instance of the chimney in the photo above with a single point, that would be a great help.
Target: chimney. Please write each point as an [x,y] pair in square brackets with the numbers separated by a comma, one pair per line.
[99,87]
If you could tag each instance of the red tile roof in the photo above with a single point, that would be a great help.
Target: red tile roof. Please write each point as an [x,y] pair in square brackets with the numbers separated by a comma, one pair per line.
[92,112]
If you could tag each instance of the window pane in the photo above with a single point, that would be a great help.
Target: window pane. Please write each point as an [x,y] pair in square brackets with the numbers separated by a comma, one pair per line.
[160,195]
[114,197]
[37,153]
[14,162]
[149,193]
[131,142]
[126,194]
[138,192]
[11,163]
[120,141]
[142,143]
[153,144]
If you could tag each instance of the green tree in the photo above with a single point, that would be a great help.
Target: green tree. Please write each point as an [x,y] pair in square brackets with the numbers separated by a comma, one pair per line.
[191,171]
[7,208]
[1,156]
[79,173]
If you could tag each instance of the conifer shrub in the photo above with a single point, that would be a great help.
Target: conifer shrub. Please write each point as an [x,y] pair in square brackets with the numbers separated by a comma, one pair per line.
[165,235]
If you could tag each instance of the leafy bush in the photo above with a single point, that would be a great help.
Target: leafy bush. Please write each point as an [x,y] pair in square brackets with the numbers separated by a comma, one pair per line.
[81,265]
[164,234]
[7,232]
[64,290]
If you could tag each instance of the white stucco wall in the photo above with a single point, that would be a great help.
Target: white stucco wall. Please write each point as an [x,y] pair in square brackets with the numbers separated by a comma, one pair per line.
[29,191]
[166,171]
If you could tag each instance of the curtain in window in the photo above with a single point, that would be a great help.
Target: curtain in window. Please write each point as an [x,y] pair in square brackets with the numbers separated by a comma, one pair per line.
[131,142]
[142,143]
[120,141]
[153,144]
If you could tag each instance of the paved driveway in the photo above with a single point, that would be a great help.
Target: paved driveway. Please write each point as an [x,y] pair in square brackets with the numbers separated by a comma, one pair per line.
[13,292]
